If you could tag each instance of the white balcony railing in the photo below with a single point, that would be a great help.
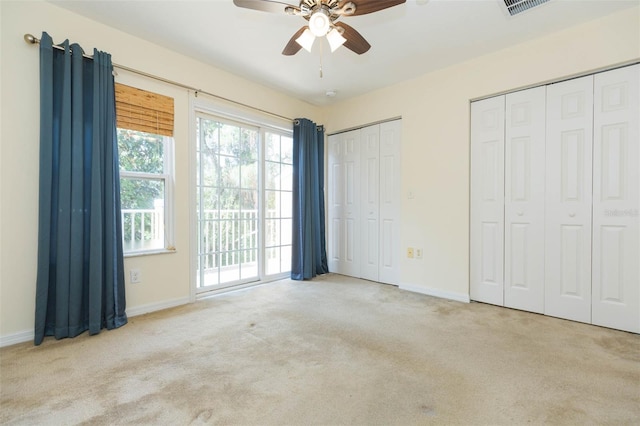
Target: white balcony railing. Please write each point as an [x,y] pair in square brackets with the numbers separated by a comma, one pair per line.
[227,237]
[143,229]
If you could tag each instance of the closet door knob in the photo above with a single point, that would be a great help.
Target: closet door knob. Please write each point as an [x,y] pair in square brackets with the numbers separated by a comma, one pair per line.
[572,214]
[520,213]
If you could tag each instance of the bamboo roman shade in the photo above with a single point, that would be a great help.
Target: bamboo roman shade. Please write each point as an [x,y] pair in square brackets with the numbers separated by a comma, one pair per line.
[143,111]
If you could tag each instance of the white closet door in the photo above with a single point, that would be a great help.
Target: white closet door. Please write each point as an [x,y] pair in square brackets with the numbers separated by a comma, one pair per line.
[616,199]
[370,201]
[568,199]
[487,200]
[344,200]
[390,201]
[350,238]
[524,200]
[336,209]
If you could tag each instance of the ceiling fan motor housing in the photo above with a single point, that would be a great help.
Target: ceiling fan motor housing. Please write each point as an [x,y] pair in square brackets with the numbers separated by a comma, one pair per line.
[331,7]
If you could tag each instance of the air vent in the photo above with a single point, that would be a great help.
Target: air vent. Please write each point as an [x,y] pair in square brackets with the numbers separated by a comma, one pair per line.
[518,6]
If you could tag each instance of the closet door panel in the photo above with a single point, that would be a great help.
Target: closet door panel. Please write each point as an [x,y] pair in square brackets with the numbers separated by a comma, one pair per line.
[487,201]
[344,199]
[351,187]
[616,199]
[336,209]
[390,201]
[524,200]
[370,201]
[569,199]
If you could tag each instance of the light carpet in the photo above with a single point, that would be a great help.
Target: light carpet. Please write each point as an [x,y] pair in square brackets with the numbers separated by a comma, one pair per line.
[332,351]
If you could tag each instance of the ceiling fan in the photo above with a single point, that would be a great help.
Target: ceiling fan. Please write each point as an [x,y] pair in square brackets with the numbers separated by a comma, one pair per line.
[322,16]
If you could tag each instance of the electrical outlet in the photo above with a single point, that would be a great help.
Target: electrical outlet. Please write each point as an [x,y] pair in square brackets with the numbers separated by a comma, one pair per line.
[418,253]
[135,275]
[410,252]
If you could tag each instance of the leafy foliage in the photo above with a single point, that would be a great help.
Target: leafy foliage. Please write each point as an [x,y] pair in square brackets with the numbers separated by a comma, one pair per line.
[140,152]
[228,157]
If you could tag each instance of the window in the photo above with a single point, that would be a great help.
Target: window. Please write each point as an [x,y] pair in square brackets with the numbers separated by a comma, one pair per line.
[145,149]
[244,196]
[145,180]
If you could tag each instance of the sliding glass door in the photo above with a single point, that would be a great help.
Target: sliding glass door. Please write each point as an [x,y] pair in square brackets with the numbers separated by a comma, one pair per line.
[278,202]
[243,203]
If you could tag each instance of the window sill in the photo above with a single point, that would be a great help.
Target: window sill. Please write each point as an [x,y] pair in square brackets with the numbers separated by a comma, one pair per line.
[150,252]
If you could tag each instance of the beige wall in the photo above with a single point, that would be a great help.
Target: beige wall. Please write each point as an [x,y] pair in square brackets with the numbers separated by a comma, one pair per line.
[165,277]
[435,111]
[435,140]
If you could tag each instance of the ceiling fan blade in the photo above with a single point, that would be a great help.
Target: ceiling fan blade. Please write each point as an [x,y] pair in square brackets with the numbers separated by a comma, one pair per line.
[369,6]
[293,47]
[264,5]
[355,41]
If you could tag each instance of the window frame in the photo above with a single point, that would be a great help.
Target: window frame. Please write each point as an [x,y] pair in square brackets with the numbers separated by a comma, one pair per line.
[263,199]
[168,178]
[198,238]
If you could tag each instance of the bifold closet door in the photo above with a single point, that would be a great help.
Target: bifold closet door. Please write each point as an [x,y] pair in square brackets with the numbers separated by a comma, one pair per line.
[344,203]
[370,201]
[390,202]
[568,199]
[616,199]
[364,202]
[380,201]
[524,200]
[487,201]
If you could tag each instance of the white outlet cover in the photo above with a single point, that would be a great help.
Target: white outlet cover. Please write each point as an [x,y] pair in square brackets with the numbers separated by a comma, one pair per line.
[135,275]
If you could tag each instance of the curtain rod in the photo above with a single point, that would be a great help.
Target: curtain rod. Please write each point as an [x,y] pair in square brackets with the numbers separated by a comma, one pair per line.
[31,39]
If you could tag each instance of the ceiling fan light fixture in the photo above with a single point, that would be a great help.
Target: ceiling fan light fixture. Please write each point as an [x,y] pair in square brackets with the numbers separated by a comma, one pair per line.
[335,39]
[306,40]
[319,23]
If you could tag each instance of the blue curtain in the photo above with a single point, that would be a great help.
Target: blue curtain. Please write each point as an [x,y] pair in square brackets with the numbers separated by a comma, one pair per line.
[80,280]
[309,254]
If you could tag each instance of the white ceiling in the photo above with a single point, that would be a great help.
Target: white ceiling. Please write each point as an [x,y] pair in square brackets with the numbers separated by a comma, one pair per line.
[407,40]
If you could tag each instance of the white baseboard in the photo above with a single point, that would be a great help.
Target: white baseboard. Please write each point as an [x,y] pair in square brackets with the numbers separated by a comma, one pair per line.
[152,307]
[27,335]
[458,297]
[15,338]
